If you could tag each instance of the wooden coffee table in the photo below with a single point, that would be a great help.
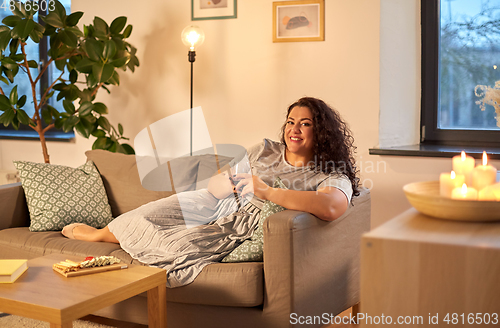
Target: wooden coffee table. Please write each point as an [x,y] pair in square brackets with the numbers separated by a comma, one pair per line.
[42,294]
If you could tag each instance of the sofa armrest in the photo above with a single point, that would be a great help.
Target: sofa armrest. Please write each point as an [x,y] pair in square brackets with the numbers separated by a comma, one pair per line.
[311,266]
[13,208]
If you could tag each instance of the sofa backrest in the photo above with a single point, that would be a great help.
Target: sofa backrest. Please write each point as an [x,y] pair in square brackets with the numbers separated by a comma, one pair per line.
[125,190]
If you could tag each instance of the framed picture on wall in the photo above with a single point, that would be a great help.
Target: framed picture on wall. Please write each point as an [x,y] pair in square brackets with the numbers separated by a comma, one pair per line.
[213,9]
[296,21]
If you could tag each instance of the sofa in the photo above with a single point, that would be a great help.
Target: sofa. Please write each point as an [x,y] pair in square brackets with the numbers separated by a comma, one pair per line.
[310,267]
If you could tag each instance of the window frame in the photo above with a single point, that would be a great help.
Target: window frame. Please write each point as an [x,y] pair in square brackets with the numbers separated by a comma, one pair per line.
[429,132]
[25,132]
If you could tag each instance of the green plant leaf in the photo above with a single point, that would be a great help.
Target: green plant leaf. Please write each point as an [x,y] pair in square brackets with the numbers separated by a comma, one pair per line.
[85,108]
[11,21]
[60,64]
[82,130]
[73,92]
[53,19]
[11,73]
[5,37]
[7,117]
[101,26]
[36,35]
[49,30]
[70,123]
[99,133]
[128,149]
[100,108]
[74,18]
[68,38]
[19,9]
[46,116]
[75,31]
[120,129]
[17,57]
[60,86]
[4,80]
[68,106]
[13,95]
[114,147]
[127,32]
[14,45]
[84,66]
[118,24]
[54,112]
[5,103]
[102,143]
[23,117]
[32,64]
[73,76]
[23,29]
[22,101]
[115,79]
[120,62]
[60,10]
[94,49]
[104,123]
[102,72]
[91,81]
[109,49]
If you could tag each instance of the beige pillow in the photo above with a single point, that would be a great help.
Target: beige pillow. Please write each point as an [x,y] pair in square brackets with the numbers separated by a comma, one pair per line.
[121,180]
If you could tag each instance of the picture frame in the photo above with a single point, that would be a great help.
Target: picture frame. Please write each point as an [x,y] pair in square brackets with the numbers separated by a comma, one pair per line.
[213,9]
[299,21]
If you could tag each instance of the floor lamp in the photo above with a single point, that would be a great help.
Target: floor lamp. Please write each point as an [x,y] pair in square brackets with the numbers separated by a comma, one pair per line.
[192,36]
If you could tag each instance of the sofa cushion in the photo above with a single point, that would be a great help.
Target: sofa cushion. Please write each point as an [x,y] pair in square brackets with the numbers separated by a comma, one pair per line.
[58,195]
[22,243]
[121,180]
[224,284]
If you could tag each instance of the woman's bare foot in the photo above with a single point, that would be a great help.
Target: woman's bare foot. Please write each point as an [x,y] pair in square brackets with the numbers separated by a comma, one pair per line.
[84,232]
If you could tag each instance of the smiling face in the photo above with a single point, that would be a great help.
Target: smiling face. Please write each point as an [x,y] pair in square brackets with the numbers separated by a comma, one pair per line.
[299,136]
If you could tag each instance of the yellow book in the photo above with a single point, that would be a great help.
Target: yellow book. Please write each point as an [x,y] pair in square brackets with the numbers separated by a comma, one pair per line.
[10,270]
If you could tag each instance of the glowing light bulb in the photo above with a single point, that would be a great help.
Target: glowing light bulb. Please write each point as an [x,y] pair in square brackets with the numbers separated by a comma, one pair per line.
[192,36]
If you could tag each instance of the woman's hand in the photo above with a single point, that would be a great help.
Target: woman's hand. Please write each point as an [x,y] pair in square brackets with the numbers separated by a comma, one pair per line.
[251,184]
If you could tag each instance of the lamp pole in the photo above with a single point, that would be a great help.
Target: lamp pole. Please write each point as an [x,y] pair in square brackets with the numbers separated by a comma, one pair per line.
[192,36]
[191,58]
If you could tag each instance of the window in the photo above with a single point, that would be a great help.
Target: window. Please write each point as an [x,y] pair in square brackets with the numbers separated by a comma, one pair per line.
[39,51]
[460,49]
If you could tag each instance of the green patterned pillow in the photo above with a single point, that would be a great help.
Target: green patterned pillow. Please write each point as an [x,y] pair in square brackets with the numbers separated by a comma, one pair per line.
[252,250]
[59,195]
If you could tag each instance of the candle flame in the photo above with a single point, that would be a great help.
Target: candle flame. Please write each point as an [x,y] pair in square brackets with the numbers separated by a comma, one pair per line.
[485,158]
[464,188]
[452,174]
[463,155]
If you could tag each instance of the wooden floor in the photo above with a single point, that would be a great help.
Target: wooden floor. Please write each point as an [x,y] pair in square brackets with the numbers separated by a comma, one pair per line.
[122,324]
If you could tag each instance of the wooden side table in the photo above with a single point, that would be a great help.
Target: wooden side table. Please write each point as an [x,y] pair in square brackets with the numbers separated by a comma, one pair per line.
[42,294]
[429,272]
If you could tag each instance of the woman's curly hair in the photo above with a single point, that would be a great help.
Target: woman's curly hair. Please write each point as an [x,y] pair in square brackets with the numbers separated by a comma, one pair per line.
[333,142]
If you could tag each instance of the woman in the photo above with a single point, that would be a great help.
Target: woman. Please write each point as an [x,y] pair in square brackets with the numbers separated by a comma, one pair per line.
[314,160]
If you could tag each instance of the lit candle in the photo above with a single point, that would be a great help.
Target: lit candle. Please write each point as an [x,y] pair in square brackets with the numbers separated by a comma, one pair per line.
[464,165]
[491,192]
[464,193]
[448,182]
[483,175]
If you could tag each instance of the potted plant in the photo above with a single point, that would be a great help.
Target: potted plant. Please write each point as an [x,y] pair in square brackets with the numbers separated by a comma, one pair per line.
[92,58]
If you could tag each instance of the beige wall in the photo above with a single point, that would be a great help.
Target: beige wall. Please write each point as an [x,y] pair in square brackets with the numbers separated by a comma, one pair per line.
[244,82]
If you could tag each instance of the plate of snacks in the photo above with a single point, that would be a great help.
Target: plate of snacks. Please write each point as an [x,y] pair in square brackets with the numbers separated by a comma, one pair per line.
[89,265]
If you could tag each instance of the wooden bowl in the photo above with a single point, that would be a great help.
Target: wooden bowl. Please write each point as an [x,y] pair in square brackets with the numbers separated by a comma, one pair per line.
[424,196]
